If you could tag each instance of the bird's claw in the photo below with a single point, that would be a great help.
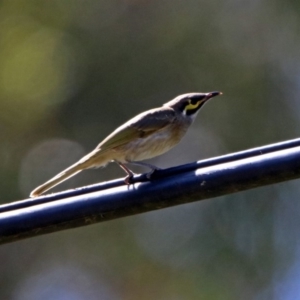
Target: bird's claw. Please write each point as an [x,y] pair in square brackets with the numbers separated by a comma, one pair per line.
[128,179]
[152,173]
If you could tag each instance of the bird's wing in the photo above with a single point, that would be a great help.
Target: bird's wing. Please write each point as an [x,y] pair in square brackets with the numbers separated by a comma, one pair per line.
[140,126]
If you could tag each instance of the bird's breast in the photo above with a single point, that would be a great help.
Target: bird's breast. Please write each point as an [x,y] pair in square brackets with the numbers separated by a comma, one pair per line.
[152,145]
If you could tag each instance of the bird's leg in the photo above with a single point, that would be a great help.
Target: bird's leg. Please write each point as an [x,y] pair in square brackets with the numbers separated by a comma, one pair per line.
[130,174]
[152,167]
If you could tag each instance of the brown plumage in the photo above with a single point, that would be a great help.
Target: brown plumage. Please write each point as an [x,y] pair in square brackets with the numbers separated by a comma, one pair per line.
[147,135]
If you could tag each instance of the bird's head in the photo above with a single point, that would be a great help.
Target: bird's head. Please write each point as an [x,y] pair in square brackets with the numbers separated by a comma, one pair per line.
[189,104]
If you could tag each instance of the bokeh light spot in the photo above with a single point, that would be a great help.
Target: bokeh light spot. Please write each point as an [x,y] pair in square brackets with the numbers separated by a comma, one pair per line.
[45,160]
[37,68]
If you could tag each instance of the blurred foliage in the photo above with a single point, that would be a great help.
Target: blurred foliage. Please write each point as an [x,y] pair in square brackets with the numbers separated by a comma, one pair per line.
[72,71]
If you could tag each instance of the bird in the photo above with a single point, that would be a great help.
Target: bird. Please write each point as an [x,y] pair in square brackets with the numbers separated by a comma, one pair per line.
[149,134]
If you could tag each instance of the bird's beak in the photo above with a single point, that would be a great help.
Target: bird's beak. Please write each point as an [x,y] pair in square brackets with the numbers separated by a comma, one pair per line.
[212,94]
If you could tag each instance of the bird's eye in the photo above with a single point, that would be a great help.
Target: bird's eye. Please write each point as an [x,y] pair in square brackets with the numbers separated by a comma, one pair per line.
[193,104]
[194,101]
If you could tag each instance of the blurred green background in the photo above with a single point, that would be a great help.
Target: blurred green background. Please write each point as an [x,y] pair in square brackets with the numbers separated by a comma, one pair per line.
[72,71]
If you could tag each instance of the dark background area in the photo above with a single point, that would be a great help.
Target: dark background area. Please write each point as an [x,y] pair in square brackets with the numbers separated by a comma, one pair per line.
[72,71]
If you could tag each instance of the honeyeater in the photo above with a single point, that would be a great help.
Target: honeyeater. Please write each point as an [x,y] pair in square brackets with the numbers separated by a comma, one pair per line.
[147,135]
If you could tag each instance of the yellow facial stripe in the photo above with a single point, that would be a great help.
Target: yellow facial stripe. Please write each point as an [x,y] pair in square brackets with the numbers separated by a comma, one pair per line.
[191,106]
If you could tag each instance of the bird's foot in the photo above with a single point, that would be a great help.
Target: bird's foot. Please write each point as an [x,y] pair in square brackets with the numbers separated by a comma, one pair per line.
[153,168]
[129,178]
[152,173]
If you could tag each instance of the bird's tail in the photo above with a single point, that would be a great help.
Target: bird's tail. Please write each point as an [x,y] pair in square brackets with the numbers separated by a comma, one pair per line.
[62,176]
[94,159]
